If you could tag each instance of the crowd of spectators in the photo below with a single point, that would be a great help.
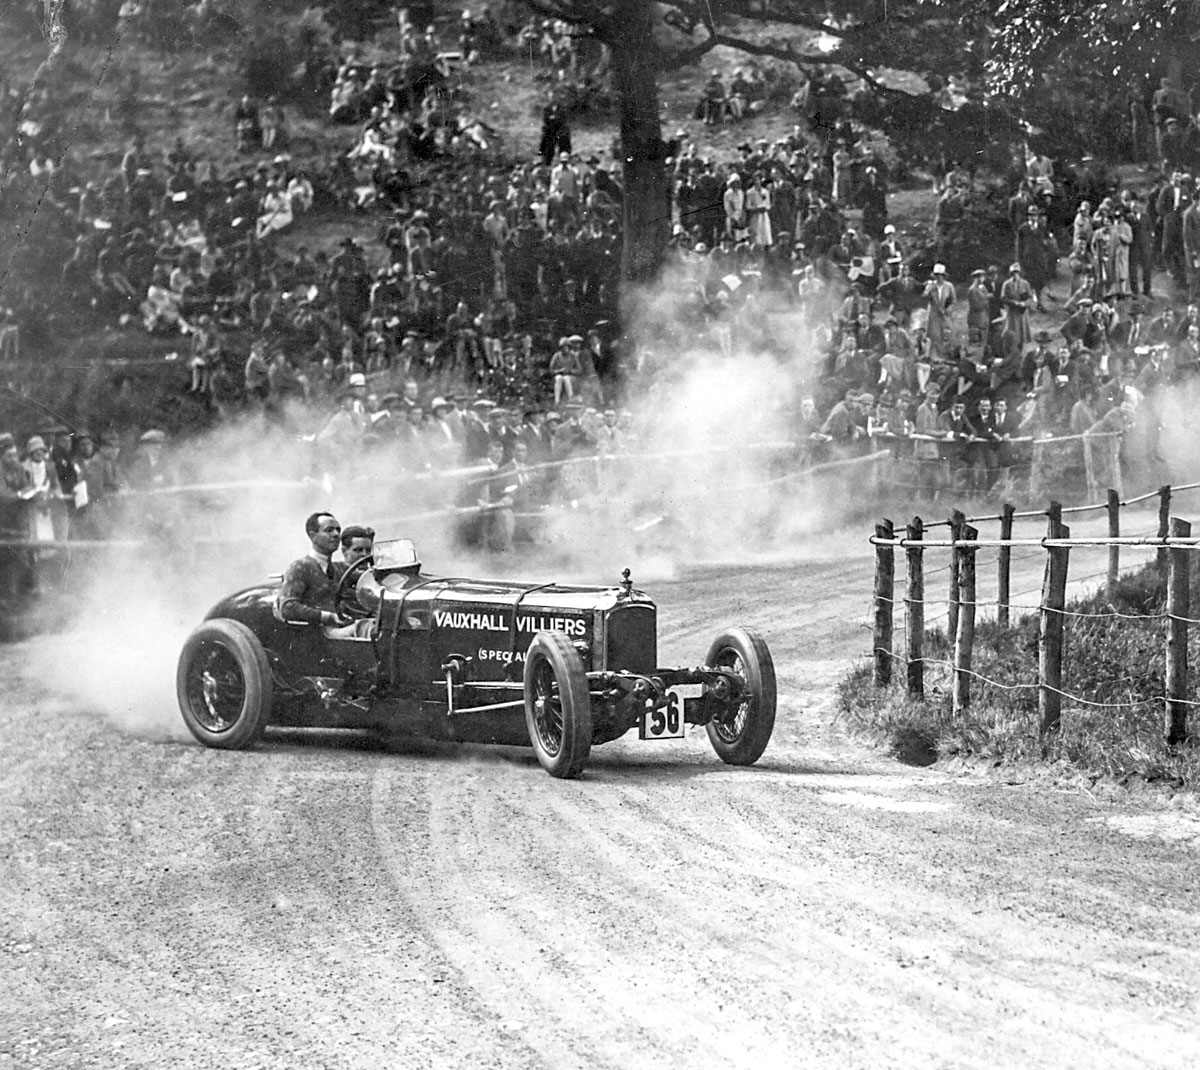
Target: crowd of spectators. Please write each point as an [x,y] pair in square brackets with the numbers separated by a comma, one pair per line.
[954,379]
[483,309]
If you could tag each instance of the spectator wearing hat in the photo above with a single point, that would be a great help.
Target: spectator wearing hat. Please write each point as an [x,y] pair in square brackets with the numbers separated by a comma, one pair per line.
[564,192]
[1175,142]
[495,492]
[891,251]
[1017,294]
[98,468]
[535,435]
[1141,247]
[940,298]
[347,426]
[271,119]
[1037,253]
[476,432]
[566,366]
[556,131]
[902,294]
[1173,200]
[926,429]
[1169,104]
[758,208]
[62,456]
[871,197]
[445,432]
[712,106]
[47,517]
[843,425]
[256,375]
[734,200]
[148,469]
[979,303]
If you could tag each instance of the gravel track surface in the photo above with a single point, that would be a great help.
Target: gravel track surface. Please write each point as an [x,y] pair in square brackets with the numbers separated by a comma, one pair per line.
[331,902]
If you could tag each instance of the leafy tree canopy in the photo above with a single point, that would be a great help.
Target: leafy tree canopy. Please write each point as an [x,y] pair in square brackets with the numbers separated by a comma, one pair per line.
[1112,38]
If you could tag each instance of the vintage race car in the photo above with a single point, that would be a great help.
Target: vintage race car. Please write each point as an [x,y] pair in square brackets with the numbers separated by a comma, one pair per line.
[553,666]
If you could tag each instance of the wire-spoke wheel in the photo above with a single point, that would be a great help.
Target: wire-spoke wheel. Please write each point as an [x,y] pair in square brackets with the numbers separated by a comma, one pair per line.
[558,710]
[740,733]
[224,684]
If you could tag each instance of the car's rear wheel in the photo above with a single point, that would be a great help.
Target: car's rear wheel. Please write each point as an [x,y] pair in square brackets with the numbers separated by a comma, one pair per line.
[558,707]
[740,733]
[224,684]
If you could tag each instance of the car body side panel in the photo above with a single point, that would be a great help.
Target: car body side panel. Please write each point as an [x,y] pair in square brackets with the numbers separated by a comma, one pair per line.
[399,679]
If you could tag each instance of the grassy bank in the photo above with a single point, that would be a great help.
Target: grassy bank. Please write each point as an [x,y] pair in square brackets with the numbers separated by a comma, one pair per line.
[1113,667]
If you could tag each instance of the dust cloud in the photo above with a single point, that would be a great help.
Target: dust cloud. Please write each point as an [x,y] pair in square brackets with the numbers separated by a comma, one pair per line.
[711,476]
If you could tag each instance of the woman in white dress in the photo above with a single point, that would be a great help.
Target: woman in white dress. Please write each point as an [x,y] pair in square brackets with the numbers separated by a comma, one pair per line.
[735,208]
[758,212]
[276,211]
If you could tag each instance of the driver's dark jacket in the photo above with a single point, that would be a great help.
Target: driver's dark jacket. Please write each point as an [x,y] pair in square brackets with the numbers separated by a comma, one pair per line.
[307,591]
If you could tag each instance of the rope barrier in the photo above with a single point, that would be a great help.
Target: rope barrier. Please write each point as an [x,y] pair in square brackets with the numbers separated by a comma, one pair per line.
[1190,542]
[1133,704]
[1034,609]
[73,544]
[483,471]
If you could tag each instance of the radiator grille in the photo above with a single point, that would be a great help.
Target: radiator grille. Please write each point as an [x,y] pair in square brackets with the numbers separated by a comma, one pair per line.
[633,639]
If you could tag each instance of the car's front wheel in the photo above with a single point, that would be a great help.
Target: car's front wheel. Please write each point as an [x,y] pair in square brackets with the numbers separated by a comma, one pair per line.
[558,707]
[224,684]
[739,733]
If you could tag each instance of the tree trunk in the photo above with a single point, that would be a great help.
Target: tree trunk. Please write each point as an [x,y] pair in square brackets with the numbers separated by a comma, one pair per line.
[647,216]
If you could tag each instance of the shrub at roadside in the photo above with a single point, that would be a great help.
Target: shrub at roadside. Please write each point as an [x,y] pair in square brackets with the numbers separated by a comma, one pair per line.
[1113,655]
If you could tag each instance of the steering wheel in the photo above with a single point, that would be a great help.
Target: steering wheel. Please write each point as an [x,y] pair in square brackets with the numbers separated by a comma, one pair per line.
[342,605]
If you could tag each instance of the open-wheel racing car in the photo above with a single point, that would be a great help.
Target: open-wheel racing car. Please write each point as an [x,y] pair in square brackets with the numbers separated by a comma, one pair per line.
[554,666]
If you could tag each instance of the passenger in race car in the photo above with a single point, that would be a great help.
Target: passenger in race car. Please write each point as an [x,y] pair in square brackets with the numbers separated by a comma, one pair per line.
[357,542]
[310,581]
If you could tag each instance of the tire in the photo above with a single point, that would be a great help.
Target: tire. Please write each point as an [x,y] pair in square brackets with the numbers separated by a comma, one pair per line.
[558,706]
[224,684]
[742,740]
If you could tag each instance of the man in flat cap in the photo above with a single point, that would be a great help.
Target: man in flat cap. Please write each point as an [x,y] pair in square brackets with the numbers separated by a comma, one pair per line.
[149,471]
[1017,295]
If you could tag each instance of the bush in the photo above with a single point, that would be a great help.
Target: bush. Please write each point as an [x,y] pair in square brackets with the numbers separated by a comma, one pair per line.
[1113,661]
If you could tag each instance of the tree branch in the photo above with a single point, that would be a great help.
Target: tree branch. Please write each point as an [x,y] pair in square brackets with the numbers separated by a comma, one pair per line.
[754,12]
[593,15]
[688,56]
[790,55]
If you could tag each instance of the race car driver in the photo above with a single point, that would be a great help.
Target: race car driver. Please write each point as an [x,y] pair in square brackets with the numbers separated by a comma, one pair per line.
[310,581]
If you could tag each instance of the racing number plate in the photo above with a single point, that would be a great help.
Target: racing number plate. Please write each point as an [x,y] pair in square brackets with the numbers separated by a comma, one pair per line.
[667,721]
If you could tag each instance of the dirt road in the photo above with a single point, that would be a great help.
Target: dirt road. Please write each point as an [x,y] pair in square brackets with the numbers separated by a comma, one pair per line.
[309,904]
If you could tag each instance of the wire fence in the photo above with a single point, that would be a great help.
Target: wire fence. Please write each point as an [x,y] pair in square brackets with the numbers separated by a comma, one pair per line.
[962,605]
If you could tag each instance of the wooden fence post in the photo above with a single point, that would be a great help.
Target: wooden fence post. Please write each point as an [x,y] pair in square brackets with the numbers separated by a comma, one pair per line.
[1164,525]
[885,576]
[914,611]
[964,638]
[1004,566]
[957,520]
[1050,632]
[1114,551]
[1114,463]
[1178,611]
